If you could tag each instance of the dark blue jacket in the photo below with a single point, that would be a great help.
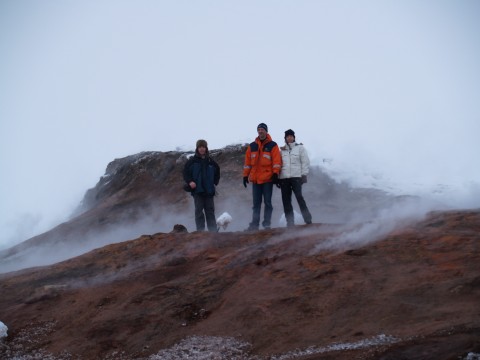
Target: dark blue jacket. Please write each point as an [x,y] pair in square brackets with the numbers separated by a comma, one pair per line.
[204,172]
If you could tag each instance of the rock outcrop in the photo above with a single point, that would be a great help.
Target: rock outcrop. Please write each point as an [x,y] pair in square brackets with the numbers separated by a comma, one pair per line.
[375,276]
[143,193]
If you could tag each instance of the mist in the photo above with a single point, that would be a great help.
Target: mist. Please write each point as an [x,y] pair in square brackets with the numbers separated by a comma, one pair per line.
[351,221]
[382,93]
[68,243]
[388,219]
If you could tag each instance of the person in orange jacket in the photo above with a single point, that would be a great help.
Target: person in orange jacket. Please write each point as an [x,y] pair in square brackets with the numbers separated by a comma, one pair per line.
[263,163]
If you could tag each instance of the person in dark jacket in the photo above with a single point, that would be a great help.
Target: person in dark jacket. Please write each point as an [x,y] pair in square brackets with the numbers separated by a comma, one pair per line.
[201,174]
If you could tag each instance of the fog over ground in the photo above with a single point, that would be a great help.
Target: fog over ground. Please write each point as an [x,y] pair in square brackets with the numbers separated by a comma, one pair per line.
[382,93]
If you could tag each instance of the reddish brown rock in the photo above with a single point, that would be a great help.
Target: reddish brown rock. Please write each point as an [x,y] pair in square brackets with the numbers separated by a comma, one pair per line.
[418,286]
[323,291]
[142,194]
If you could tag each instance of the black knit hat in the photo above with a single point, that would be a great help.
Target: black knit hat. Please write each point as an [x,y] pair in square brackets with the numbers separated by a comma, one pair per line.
[262,126]
[201,142]
[289,132]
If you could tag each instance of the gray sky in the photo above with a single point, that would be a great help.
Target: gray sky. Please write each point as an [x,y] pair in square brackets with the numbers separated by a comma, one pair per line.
[389,90]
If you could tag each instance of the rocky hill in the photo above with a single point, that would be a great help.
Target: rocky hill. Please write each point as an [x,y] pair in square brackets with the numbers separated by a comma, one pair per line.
[375,276]
[142,194]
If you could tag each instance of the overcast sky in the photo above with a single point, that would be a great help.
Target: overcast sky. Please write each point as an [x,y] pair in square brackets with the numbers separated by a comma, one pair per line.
[388,90]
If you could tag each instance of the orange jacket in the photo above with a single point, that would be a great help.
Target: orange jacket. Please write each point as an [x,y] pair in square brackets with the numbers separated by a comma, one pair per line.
[262,160]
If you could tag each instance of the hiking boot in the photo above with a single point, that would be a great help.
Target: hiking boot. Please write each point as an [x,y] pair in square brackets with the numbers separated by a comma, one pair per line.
[267,227]
[251,228]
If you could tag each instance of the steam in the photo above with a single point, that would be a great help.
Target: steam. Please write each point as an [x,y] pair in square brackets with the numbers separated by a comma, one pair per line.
[297,218]
[76,244]
[362,228]
[445,189]
[394,217]
[366,214]
[20,228]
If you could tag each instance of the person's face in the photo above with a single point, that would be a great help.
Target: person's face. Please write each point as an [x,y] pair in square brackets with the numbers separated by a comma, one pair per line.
[262,134]
[290,139]
[202,150]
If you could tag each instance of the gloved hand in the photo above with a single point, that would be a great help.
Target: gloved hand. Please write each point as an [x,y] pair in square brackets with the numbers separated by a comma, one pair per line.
[245,181]
[304,179]
[275,178]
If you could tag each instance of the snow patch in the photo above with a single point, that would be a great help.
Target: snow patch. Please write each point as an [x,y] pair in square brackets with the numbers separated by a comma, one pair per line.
[472,356]
[3,330]
[227,348]
[374,341]
[206,348]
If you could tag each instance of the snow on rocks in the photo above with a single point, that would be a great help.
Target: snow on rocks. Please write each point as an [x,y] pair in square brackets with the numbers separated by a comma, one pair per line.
[3,330]
[378,340]
[206,348]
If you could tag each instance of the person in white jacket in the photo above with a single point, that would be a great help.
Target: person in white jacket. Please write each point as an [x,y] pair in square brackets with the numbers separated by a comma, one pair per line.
[293,175]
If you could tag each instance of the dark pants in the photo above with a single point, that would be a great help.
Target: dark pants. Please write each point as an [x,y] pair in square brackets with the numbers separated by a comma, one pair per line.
[204,204]
[260,191]
[294,185]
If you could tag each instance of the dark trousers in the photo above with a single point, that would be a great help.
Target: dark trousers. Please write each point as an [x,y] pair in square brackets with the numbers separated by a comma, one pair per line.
[204,208]
[294,185]
[259,192]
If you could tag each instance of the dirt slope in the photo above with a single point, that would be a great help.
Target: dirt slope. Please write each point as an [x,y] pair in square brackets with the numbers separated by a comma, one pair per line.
[278,290]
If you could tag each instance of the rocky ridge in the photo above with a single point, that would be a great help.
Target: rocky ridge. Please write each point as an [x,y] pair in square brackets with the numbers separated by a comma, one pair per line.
[142,193]
[357,284]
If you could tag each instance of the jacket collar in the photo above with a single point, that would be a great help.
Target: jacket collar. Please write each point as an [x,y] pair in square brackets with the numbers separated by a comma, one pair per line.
[287,146]
[267,139]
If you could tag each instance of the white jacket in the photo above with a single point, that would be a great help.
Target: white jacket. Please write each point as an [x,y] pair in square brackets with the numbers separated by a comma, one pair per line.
[295,161]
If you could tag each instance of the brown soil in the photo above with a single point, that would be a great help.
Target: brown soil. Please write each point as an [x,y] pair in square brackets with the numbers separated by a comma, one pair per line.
[275,289]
